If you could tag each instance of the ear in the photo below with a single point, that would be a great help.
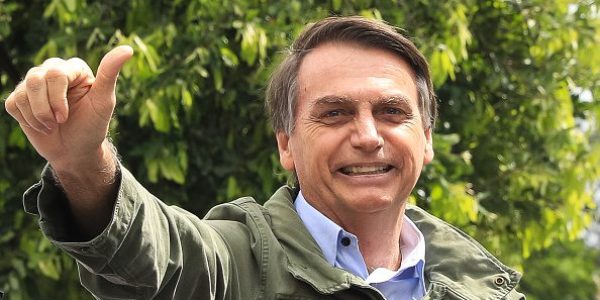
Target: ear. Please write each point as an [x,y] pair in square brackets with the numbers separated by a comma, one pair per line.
[428,147]
[285,152]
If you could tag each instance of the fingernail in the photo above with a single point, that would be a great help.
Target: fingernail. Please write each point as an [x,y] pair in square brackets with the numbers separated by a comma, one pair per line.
[59,117]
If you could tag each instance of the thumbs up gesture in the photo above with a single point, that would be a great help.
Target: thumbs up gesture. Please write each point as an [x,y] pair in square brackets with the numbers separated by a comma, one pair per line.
[65,110]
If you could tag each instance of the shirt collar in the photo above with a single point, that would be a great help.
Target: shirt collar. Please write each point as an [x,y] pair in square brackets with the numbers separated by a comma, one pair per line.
[412,244]
[323,230]
[326,233]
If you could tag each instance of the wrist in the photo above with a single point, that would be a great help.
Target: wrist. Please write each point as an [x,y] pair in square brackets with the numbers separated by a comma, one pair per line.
[91,186]
[100,168]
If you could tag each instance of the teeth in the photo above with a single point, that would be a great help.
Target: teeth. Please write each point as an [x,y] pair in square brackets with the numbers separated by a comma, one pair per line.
[364,170]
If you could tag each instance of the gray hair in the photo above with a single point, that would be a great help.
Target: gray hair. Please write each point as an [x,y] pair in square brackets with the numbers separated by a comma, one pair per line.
[282,91]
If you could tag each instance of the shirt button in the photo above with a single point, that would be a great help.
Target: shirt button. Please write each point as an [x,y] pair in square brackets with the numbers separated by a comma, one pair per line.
[345,241]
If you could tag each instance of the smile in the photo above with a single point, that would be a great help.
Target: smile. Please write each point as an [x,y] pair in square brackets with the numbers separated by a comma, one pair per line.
[372,170]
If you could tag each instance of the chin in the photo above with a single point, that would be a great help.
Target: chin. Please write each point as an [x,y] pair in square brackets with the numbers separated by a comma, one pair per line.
[371,203]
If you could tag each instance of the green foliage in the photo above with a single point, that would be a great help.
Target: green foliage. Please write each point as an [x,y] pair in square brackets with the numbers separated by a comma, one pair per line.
[569,268]
[517,146]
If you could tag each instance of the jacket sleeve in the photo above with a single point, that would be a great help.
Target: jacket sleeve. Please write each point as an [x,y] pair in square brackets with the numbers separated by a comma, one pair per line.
[148,250]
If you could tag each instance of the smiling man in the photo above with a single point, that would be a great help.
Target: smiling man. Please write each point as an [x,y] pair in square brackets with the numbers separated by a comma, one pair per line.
[358,144]
[352,107]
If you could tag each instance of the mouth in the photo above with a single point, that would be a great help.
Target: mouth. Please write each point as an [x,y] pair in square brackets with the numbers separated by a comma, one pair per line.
[365,170]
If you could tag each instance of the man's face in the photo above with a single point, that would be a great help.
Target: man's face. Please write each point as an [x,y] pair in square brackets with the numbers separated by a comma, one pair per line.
[359,144]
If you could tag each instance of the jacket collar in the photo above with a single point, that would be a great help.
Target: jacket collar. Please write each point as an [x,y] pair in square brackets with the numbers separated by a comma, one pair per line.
[459,263]
[305,259]
[454,262]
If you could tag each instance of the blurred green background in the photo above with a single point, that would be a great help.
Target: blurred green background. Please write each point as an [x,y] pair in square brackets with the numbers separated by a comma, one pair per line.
[517,144]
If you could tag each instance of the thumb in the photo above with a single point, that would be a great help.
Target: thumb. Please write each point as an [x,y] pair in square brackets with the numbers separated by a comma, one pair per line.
[108,70]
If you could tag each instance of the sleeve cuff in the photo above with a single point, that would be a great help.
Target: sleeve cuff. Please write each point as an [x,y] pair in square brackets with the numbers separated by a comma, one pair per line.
[47,200]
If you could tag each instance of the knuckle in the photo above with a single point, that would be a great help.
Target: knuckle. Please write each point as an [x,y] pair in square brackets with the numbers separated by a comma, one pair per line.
[20,98]
[9,104]
[15,114]
[76,60]
[34,70]
[56,75]
[34,82]
[79,64]
[52,61]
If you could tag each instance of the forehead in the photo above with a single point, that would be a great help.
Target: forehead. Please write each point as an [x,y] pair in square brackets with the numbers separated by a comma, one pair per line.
[352,71]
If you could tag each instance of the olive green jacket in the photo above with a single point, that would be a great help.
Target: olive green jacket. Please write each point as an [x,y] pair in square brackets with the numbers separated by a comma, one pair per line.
[243,250]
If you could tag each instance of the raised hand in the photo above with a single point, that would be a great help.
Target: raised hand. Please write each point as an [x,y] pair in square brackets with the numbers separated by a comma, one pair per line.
[65,110]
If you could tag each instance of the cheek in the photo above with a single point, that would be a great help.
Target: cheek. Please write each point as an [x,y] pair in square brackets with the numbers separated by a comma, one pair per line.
[313,155]
[408,147]
[301,156]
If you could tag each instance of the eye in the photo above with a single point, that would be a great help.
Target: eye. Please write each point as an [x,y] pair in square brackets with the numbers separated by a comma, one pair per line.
[335,116]
[393,114]
[333,113]
[392,111]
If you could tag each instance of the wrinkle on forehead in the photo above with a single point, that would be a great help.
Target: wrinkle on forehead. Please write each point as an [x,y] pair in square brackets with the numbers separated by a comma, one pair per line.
[344,73]
[347,51]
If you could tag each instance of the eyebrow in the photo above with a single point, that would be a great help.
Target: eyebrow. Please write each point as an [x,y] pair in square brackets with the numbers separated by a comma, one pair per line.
[394,100]
[388,100]
[330,99]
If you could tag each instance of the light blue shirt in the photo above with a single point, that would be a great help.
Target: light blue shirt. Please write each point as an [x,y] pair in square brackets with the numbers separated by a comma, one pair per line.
[340,249]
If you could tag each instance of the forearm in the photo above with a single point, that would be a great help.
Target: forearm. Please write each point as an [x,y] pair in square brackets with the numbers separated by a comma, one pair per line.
[146,247]
[91,188]
[145,250]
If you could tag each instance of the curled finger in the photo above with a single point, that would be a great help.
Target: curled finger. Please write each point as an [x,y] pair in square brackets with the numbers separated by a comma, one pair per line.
[11,107]
[79,73]
[37,102]
[80,78]
[21,101]
[57,83]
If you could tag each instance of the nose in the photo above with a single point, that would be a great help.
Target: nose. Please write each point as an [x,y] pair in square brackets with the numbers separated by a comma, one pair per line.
[366,136]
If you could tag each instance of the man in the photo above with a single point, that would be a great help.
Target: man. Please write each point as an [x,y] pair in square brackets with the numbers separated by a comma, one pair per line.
[353,108]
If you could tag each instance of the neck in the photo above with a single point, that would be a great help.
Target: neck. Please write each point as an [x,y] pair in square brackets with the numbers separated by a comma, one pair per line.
[378,237]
